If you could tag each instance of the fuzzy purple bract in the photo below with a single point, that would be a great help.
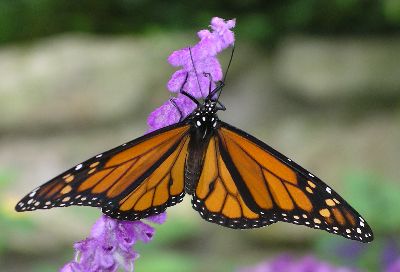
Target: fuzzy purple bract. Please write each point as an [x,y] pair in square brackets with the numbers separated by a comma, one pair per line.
[288,263]
[110,244]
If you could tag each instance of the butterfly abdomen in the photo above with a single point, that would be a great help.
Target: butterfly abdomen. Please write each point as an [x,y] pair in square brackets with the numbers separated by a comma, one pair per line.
[194,162]
[192,175]
[200,137]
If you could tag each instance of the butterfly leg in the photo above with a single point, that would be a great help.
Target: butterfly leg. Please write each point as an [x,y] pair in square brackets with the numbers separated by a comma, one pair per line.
[172,100]
[182,91]
[221,84]
[209,86]
[221,106]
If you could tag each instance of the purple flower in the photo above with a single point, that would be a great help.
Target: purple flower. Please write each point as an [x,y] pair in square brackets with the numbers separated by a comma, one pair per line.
[390,257]
[350,250]
[205,63]
[394,267]
[109,245]
[287,263]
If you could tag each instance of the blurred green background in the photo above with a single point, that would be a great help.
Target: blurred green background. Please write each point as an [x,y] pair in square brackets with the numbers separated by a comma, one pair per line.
[318,80]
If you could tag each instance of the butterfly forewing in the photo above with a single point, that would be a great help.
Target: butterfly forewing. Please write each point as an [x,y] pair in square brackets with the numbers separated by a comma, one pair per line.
[278,189]
[163,187]
[113,179]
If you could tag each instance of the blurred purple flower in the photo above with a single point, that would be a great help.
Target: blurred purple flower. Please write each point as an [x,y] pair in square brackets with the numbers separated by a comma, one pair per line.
[204,55]
[390,257]
[287,263]
[350,250]
[109,245]
[394,267]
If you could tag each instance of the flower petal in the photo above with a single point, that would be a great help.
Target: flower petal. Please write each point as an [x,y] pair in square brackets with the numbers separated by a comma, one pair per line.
[158,218]
[68,267]
[176,81]
[143,231]
[179,57]
[163,116]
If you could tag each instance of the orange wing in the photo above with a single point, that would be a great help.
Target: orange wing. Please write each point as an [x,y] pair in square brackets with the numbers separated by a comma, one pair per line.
[217,197]
[132,181]
[276,188]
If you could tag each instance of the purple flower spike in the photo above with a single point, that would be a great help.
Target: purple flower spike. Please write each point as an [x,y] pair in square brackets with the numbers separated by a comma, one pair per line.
[287,263]
[109,245]
[204,55]
[204,59]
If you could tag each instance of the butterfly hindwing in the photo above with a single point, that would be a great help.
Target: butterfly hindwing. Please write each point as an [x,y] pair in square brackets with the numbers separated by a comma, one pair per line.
[217,197]
[278,189]
[108,178]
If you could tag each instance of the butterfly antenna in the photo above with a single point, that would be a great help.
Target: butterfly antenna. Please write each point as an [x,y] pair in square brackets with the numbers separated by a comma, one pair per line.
[229,64]
[194,68]
[227,70]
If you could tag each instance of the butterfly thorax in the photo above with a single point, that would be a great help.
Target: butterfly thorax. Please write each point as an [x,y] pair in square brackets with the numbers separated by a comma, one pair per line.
[204,117]
[203,121]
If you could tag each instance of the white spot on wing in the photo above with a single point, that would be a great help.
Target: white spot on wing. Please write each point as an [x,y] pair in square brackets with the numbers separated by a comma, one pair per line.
[79,166]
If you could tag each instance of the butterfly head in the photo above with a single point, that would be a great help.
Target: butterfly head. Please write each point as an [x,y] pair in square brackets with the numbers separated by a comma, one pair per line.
[209,107]
[205,116]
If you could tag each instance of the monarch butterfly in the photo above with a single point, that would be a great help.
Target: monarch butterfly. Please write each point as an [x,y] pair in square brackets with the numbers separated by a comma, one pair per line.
[235,180]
